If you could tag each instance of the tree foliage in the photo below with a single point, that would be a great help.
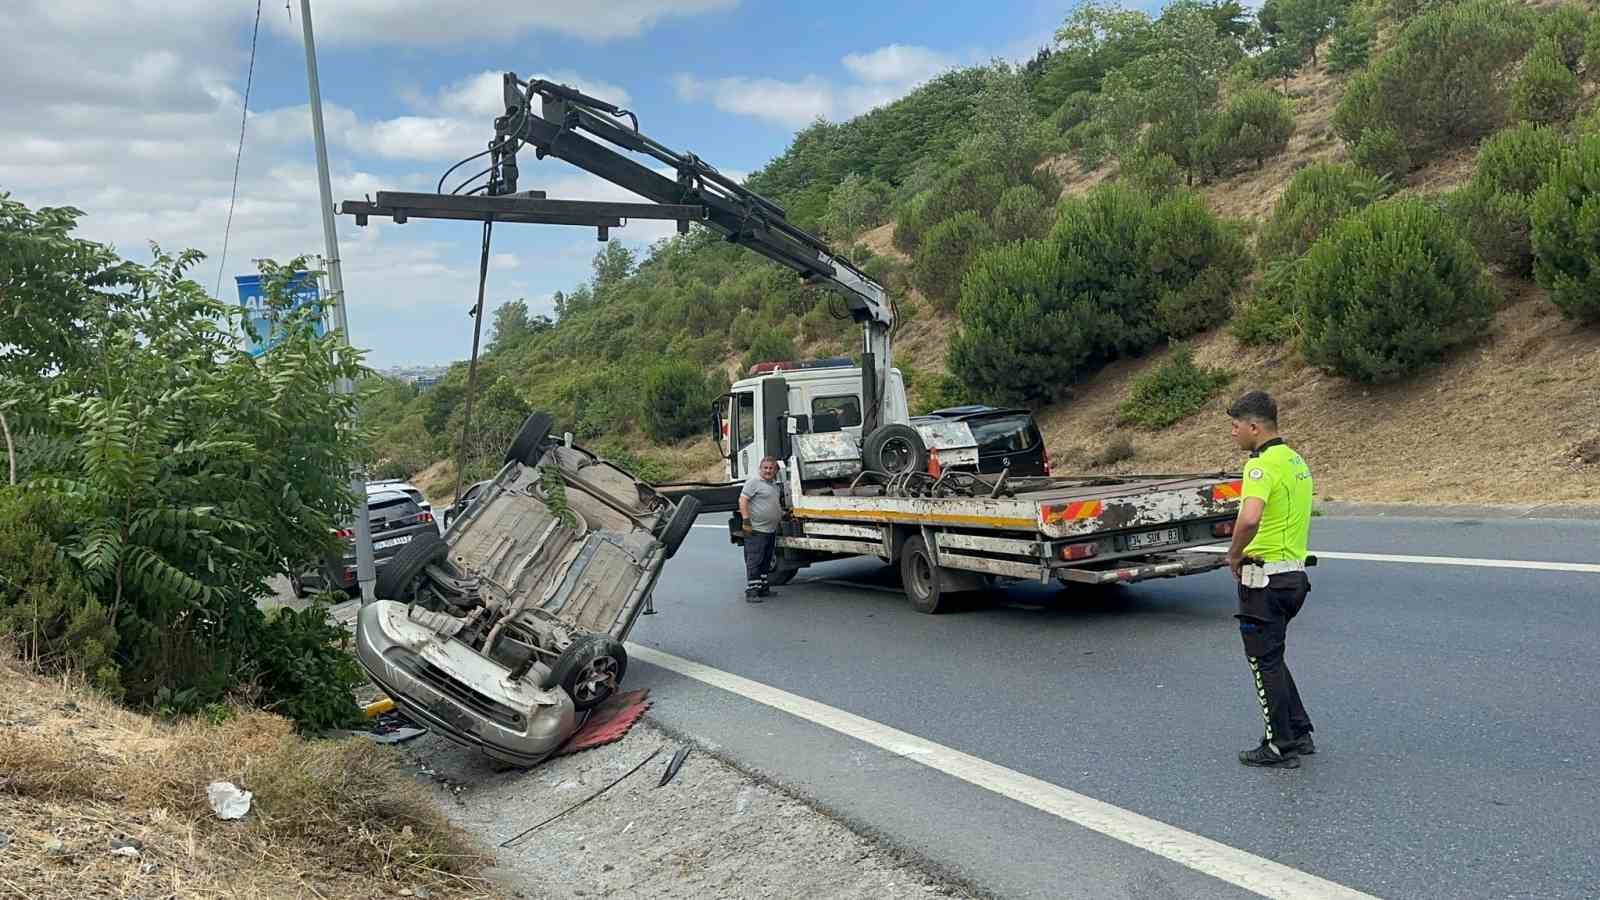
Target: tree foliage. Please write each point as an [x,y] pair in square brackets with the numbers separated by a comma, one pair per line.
[1352,43]
[1173,391]
[677,398]
[1566,231]
[1388,291]
[942,259]
[1546,92]
[1254,125]
[1567,25]
[1383,151]
[1494,208]
[1318,196]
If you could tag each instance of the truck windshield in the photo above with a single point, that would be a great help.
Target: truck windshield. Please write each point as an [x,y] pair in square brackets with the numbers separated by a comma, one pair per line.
[1005,434]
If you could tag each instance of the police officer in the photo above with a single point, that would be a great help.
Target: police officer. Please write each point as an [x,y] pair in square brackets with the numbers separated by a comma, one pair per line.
[1268,558]
[761,507]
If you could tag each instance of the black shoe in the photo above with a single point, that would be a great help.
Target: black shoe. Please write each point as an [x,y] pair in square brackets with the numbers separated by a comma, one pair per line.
[764,592]
[1267,758]
[752,597]
[1303,745]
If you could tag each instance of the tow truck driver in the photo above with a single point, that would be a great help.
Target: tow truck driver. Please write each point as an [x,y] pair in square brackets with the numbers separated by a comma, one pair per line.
[761,507]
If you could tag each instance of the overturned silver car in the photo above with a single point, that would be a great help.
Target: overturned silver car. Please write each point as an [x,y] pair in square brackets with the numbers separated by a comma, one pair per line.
[502,633]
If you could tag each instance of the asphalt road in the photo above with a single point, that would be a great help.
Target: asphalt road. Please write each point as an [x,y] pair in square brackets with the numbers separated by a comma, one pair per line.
[1456,713]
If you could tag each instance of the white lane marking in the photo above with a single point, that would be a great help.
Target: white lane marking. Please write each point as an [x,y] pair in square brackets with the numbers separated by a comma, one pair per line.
[1229,864]
[1590,568]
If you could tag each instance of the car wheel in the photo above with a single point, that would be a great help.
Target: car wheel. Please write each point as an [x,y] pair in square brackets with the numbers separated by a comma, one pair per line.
[893,449]
[526,449]
[923,585]
[678,526]
[590,670]
[394,579]
[299,587]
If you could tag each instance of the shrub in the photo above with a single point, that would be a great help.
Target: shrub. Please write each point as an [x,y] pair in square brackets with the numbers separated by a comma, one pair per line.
[1566,25]
[1317,197]
[1591,42]
[1267,315]
[1352,43]
[911,221]
[1443,81]
[769,345]
[1519,159]
[1493,209]
[1119,449]
[1023,212]
[1255,124]
[1172,391]
[304,661]
[1197,261]
[945,253]
[1566,231]
[1389,290]
[1078,108]
[1153,173]
[675,400]
[1545,91]
[1382,152]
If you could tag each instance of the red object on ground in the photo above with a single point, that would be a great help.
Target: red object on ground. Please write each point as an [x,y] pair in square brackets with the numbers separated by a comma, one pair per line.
[609,722]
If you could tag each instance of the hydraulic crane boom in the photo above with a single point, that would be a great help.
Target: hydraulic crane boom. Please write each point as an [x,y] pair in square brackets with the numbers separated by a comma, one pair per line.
[559,129]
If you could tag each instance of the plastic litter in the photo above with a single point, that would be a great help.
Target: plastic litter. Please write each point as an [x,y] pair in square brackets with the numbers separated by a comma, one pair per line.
[227,801]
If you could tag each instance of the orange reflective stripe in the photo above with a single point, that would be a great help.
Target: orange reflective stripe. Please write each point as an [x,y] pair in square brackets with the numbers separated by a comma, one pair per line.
[1227,491]
[1076,511]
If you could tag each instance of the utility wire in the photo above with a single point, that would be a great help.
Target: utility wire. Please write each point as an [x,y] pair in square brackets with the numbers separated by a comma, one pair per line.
[244,117]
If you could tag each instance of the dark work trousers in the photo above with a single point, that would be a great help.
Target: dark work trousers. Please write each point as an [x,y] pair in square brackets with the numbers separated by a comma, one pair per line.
[1264,616]
[758,552]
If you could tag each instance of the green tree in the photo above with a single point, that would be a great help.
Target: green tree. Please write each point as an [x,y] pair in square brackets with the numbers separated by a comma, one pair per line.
[1352,43]
[1566,231]
[945,252]
[1494,208]
[1567,25]
[613,265]
[855,205]
[1545,92]
[1023,212]
[1383,152]
[1305,23]
[1254,125]
[676,400]
[1317,197]
[511,325]
[1388,291]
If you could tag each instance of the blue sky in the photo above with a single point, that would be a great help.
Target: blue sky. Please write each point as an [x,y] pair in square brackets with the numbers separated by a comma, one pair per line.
[141,126]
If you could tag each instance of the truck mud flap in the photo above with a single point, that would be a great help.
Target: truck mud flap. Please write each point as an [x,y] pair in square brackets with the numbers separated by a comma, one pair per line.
[1145,569]
[713,497]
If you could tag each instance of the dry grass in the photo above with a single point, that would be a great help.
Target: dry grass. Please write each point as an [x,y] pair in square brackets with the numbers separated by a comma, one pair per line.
[880,241]
[328,819]
[438,483]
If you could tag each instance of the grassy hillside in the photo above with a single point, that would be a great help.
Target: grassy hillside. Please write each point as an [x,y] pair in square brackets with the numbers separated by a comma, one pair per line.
[1509,416]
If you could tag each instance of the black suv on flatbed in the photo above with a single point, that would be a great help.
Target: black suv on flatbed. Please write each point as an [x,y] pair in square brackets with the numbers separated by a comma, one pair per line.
[1002,434]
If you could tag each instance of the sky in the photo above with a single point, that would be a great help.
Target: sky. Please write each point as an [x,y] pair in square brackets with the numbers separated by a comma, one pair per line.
[130,110]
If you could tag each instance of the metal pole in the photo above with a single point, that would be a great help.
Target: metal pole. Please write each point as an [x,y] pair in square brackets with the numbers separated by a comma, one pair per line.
[365,574]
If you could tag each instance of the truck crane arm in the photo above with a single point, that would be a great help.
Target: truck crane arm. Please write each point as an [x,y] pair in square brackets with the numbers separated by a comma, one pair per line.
[562,127]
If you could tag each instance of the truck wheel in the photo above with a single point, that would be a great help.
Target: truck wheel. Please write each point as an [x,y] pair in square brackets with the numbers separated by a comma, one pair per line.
[893,449]
[781,577]
[526,448]
[589,670]
[678,526]
[923,584]
[394,579]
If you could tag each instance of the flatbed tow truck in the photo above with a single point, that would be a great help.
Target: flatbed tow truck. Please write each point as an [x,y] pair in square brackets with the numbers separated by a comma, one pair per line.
[877,485]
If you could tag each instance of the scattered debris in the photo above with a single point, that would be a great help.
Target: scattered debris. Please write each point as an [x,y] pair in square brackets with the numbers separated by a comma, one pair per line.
[673,766]
[227,801]
[653,754]
[5,840]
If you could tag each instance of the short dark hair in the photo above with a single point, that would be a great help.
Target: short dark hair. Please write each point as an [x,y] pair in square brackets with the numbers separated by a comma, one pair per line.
[1257,405]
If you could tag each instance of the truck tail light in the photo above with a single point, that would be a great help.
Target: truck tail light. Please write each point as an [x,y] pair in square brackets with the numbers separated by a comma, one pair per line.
[1222,529]
[1075,552]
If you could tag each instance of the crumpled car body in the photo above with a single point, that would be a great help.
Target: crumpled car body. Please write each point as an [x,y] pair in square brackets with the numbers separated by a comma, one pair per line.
[502,634]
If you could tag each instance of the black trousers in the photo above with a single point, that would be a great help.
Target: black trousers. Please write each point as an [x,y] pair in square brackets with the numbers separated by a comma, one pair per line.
[759,547]
[1264,616]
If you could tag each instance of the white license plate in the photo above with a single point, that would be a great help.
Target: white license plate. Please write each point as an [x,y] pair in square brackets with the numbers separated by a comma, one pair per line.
[392,542]
[1148,539]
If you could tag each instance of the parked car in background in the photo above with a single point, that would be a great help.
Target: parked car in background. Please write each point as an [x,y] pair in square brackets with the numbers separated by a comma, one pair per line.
[1003,435]
[410,490]
[465,500]
[396,518]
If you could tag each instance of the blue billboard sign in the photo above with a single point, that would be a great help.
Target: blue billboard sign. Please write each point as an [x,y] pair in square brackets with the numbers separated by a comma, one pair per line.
[261,319]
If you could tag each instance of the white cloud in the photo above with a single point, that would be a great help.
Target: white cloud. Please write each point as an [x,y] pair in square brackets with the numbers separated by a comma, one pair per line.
[881,76]
[502,262]
[431,22]
[483,95]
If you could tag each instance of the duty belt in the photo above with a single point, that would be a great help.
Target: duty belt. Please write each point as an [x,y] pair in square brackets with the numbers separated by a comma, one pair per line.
[1279,568]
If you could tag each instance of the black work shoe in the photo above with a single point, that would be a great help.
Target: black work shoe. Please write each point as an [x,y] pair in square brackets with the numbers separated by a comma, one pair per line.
[1267,758]
[1303,745]
[752,597]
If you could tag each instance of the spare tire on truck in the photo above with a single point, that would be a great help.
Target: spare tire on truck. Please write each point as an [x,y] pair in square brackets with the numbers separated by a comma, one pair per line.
[893,449]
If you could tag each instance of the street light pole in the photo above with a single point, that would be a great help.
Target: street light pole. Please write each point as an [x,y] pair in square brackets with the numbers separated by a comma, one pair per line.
[364,565]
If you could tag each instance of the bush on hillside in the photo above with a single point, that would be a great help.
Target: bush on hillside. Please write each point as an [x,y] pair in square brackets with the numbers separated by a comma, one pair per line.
[1267,314]
[676,398]
[912,221]
[944,255]
[1119,273]
[1382,152]
[1023,212]
[1443,82]
[1591,43]
[1494,208]
[1388,291]
[1318,196]
[1078,108]
[1545,92]
[1566,231]
[1256,124]
[1352,43]
[768,346]
[1154,173]
[1172,391]
[1567,25]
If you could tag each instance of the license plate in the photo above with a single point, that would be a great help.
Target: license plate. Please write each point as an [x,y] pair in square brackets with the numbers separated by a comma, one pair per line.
[392,542]
[1148,539]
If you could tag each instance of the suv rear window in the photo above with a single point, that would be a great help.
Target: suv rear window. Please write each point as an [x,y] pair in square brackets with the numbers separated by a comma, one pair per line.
[1005,434]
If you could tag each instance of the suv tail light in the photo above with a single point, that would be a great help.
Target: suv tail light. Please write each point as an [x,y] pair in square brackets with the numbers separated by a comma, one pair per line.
[1222,529]
[424,517]
[345,534]
[1047,463]
[1074,552]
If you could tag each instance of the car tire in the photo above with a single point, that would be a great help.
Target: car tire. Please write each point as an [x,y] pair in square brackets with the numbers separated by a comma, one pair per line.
[395,578]
[589,670]
[526,449]
[678,526]
[923,585]
[895,448]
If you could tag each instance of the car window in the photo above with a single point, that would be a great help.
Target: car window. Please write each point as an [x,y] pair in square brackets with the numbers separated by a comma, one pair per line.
[746,419]
[1005,434]
[847,408]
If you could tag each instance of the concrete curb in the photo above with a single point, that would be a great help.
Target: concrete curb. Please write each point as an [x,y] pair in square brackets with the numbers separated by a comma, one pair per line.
[1564,511]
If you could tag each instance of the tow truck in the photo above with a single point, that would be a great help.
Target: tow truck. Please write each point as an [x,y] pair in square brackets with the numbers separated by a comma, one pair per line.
[881,486]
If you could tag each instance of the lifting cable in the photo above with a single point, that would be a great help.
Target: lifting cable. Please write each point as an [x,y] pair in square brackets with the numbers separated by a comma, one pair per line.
[472,366]
[244,117]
